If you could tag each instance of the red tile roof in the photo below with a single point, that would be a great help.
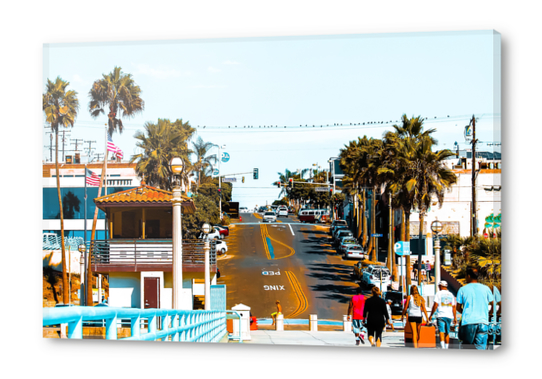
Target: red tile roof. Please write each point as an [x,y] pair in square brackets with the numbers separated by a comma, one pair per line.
[142,195]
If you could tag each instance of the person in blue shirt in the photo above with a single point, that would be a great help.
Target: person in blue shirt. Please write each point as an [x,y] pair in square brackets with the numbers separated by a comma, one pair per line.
[473,302]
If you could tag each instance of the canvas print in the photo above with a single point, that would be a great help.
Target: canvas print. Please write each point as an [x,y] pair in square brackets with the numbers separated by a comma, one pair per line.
[338,190]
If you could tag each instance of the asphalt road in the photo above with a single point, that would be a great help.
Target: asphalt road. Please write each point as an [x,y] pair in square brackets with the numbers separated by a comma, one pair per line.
[286,261]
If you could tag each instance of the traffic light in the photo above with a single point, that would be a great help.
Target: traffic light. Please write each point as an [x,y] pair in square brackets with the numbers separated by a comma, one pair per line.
[243,179]
[219,191]
[291,183]
[255,174]
[279,184]
[331,192]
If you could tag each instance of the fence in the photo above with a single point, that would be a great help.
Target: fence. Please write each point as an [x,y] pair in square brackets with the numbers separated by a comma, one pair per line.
[177,325]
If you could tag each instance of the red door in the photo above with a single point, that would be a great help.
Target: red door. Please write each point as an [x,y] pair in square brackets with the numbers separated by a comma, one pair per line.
[151,292]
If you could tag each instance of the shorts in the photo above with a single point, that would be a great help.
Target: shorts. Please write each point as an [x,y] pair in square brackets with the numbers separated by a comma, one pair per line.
[443,325]
[375,332]
[357,326]
[275,313]
[416,319]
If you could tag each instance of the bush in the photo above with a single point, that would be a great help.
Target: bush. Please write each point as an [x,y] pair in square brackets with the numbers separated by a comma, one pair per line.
[225,220]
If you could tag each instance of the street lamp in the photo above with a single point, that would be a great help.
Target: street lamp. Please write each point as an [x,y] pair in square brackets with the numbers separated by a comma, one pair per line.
[219,179]
[206,229]
[82,263]
[176,166]
[436,227]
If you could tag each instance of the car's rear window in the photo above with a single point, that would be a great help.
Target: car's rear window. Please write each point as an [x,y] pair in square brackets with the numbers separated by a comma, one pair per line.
[269,213]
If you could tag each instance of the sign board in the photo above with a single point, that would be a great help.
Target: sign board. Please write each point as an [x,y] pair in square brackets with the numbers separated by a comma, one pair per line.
[225,157]
[229,180]
[215,172]
[402,248]
[377,235]
[321,189]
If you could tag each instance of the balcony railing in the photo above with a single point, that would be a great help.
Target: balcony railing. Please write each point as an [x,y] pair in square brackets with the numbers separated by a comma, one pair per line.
[135,255]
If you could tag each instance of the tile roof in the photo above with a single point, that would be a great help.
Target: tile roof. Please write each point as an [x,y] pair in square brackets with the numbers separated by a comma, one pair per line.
[141,195]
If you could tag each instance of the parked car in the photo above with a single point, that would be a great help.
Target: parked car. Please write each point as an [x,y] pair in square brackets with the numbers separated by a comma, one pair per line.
[345,242]
[243,210]
[262,209]
[373,275]
[355,252]
[223,231]
[397,301]
[221,247]
[340,234]
[282,211]
[337,228]
[269,217]
[336,223]
[212,234]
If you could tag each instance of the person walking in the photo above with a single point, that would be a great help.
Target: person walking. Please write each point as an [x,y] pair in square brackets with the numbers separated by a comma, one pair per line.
[473,301]
[355,312]
[428,270]
[278,312]
[444,309]
[376,315]
[415,306]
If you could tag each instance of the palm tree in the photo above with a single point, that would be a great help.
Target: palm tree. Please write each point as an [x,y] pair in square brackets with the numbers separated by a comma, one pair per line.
[284,178]
[163,141]
[118,92]
[202,161]
[60,107]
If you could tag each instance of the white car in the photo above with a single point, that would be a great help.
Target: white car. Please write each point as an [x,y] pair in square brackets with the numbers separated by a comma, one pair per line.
[283,211]
[221,247]
[355,251]
[373,274]
[214,234]
[243,210]
[269,217]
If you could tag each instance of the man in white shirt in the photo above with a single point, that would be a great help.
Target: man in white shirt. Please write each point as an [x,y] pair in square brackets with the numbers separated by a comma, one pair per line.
[444,309]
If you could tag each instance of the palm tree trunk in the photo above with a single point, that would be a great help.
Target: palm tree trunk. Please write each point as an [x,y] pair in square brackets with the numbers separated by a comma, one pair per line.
[92,236]
[65,289]
[372,245]
[364,199]
[406,237]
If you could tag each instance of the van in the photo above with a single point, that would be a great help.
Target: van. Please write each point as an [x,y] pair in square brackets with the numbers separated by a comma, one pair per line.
[312,215]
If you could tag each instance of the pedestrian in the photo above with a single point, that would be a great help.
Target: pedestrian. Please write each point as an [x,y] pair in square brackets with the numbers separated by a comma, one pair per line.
[473,301]
[415,306]
[278,312]
[428,270]
[415,271]
[444,310]
[376,316]
[390,321]
[355,312]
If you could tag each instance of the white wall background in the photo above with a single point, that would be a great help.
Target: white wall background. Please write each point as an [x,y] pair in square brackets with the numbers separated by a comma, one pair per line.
[26,26]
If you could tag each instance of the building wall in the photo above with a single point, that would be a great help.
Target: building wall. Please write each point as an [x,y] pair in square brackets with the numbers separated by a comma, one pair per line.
[125,289]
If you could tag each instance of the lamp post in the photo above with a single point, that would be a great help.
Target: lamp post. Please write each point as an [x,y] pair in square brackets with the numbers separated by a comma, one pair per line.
[176,166]
[436,227]
[219,181]
[82,261]
[206,229]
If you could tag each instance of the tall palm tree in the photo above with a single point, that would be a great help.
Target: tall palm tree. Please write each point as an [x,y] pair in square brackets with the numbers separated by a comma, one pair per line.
[60,107]
[163,141]
[203,161]
[284,178]
[119,93]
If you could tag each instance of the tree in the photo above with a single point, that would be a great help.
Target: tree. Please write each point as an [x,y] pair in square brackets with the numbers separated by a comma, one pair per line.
[203,162]
[60,107]
[161,142]
[118,92]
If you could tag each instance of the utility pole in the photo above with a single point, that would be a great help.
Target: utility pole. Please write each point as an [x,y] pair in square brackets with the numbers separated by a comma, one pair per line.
[474,229]
[50,146]
[76,151]
[90,148]
[63,142]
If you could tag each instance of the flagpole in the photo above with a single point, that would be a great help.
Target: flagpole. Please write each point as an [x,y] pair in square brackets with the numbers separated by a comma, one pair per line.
[83,290]
[105,184]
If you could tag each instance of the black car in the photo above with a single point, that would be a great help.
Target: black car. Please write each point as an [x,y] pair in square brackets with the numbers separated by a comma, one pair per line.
[397,301]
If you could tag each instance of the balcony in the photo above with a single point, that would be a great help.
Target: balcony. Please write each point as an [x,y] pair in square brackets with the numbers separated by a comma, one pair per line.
[136,255]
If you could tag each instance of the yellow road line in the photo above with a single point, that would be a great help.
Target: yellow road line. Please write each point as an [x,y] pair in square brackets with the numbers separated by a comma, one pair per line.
[265,233]
[302,299]
[257,216]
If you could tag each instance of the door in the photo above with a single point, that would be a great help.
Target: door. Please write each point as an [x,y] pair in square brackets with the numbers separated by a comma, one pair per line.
[151,292]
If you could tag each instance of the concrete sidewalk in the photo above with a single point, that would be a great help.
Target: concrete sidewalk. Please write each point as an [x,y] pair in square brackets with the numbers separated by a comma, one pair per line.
[330,338]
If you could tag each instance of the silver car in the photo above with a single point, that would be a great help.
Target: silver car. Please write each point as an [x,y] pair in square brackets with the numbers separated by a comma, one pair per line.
[269,217]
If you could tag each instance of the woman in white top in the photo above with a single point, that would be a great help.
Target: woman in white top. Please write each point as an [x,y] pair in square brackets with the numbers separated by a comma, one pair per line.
[415,305]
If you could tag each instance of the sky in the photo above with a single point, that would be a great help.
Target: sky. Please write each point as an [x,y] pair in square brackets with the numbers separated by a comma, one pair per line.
[260,97]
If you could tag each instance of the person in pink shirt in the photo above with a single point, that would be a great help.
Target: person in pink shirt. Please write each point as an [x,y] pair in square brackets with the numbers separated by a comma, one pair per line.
[355,312]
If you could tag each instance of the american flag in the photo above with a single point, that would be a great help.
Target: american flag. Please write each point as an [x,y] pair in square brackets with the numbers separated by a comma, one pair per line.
[92,178]
[112,147]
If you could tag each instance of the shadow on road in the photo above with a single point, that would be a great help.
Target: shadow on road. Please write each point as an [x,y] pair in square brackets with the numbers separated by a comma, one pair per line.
[335,281]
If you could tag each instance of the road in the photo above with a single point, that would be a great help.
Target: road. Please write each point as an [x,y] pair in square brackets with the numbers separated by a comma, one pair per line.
[286,261]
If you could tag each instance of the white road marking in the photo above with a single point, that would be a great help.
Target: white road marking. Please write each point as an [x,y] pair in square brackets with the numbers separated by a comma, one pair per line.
[290,225]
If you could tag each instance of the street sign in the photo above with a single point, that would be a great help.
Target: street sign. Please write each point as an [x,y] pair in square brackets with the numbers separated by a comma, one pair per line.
[377,235]
[225,157]
[321,189]
[215,172]
[402,248]
[230,180]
